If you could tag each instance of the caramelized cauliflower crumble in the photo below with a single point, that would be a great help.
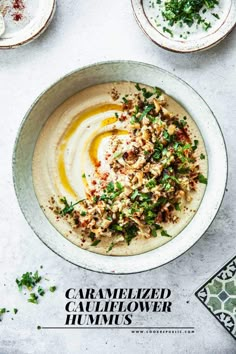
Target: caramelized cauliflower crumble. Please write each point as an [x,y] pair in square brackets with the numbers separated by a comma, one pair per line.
[152,176]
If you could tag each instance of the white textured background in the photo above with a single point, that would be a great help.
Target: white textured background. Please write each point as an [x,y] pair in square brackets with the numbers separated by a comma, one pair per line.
[84,32]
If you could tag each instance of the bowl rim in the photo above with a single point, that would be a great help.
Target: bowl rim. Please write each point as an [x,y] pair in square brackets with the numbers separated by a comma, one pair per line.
[24,120]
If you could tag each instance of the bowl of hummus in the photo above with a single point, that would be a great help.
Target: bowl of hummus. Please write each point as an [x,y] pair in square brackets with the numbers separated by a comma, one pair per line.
[113,167]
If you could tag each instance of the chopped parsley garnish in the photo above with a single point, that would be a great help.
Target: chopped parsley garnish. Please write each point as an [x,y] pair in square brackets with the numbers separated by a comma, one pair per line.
[164,233]
[138,87]
[151,184]
[202,179]
[116,227]
[155,228]
[119,186]
[183,170]
[177,206]
[157,154]
[95,243]
[182,123]
[189,12]
[166,135]
[28,280]
[68,207]
[52,288]
[33,298]
[15,311]
[112,191]
[92,236]
[110,187]
[110,247]
[165,29]
[116,115]
[216,16]
[154,232]
[202,157]
[130,232]
[2,310]
[157,92]
[83,213]
[194,147]
[41,292]
[124,99]
[83,175]
[117,154]
[206,25]
[134,194]
[146,111]
[146,94]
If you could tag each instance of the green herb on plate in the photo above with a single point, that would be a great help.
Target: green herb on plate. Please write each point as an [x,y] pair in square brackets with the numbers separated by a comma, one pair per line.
[52,288]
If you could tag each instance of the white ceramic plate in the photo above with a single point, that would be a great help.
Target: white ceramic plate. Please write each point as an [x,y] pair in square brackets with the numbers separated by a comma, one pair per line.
[43,107]
[24,20]
[198,39]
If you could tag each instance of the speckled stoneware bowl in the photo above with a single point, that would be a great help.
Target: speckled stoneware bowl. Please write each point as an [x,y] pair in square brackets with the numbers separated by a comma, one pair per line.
[185,39]
[24,20]
[49,100]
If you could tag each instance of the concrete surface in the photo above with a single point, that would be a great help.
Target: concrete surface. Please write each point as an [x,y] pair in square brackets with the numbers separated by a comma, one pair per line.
[81,33]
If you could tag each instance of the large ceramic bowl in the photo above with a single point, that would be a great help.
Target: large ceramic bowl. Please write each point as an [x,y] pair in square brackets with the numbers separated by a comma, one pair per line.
[43,107]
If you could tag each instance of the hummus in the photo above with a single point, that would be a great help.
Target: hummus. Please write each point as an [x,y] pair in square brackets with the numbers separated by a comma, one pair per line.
[79,152]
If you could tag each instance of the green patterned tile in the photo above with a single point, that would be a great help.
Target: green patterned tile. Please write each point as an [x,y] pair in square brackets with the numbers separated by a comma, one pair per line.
[219,296]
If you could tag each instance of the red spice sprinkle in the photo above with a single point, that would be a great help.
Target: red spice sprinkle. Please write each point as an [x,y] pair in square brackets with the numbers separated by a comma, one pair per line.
[18,4]
[123,117]
[17,17]
[104,176]
[94,182]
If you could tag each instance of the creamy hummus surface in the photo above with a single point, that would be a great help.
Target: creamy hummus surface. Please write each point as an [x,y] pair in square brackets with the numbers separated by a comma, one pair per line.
[75,147]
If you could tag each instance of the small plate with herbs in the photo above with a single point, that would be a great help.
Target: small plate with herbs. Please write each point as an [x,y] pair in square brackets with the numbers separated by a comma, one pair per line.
[185,26]
[120,167]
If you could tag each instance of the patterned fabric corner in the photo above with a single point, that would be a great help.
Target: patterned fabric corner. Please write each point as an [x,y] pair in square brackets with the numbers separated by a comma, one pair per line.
[218,294]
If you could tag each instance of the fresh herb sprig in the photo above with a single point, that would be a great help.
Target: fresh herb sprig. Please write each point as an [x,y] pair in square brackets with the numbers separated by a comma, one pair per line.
[68,207]
[189,12]
[28,280]
[112,191]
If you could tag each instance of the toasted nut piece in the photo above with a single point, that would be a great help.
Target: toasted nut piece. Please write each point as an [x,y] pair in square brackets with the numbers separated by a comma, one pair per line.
[119,239]
[134,126]
[157,105]
[162,99]
[146,121]
[166,113]
[146,134]
[171,129]
[128,191]
[189,198]
[105,223]
[181,194]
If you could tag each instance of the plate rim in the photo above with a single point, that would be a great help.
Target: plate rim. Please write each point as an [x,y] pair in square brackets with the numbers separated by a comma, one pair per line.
[36,34]
[18,136]
[146,27]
